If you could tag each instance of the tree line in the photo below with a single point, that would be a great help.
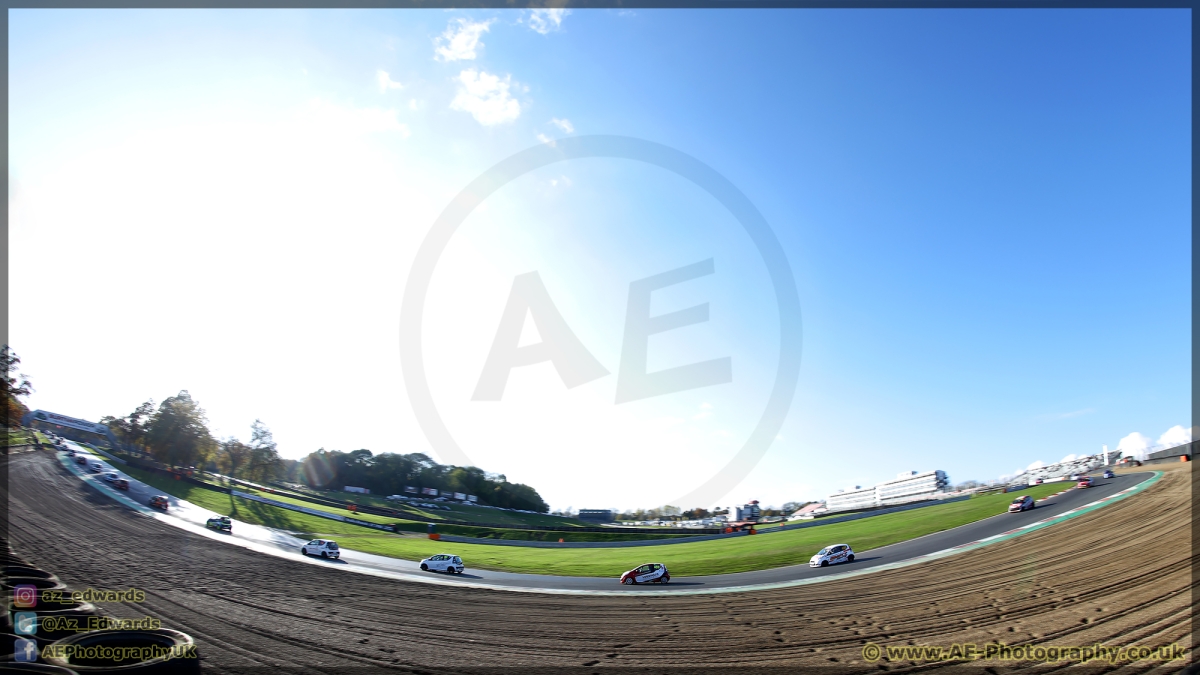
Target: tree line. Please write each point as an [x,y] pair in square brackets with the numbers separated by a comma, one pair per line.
[390,473]
[175,433]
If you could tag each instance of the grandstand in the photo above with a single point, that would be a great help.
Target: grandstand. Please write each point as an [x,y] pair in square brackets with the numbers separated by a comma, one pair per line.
[910,486]
[1064,470]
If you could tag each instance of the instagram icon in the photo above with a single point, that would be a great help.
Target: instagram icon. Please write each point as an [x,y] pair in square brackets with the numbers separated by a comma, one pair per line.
[25,596]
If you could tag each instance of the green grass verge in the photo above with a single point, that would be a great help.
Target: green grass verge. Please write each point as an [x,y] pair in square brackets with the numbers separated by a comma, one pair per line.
[738,554]
[476,514]
[722,556]
[246,510]
[22,436]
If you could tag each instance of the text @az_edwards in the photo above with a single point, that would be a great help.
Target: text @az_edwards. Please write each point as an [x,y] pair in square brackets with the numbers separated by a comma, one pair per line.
[998,651]
[83,624]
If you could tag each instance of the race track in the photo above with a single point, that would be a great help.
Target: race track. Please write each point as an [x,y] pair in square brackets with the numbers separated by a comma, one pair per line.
[1073,583]
[275,542]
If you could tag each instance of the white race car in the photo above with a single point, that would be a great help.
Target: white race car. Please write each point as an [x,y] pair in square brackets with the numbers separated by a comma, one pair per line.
[650,572]
[322,547]
[830,555]
[443,562]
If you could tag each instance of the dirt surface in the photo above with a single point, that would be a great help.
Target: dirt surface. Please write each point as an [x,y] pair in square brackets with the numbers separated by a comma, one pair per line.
[1118,576]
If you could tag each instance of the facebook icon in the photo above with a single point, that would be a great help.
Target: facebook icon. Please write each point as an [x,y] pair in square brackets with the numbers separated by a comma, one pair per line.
[24,650]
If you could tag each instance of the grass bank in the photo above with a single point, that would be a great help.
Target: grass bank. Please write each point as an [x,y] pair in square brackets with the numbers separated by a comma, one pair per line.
[737,554]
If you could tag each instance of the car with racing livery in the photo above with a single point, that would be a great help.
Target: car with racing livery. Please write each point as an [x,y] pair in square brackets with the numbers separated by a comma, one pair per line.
[326,548]
[1022,503]
[649,573]
[220,523]
[831,555]
[96,467]
[111,477]
[1084,482]
[121,484]
[159,502]
[443,562]
[1109,474]
[81,460]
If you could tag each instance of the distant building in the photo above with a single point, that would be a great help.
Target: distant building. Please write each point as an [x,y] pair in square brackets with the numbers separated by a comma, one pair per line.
[909,486]
[857,497]
[807,511]
[596,515]
[748,512]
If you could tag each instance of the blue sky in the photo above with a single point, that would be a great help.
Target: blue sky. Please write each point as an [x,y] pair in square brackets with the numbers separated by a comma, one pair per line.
[986,212]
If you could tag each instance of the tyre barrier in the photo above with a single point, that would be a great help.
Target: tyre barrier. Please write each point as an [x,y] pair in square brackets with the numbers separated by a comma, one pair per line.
[19,667]
[10,583]
[107,652]
[24,571]
[56,624]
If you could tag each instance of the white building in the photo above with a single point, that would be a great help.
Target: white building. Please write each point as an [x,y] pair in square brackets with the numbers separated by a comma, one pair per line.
[856,498]
[909,486]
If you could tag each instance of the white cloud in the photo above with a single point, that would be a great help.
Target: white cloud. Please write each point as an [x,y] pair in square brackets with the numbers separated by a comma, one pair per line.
[386,82]
[1069,458]
[486,97]
[1036,465]
[546,139]
[1176,435]
[547,20]
[706,406]
[561,180]
[1135,445]
[460,40]
[563,124]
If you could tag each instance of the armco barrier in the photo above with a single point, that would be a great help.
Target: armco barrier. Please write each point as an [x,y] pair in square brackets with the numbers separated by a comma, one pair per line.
[311,512]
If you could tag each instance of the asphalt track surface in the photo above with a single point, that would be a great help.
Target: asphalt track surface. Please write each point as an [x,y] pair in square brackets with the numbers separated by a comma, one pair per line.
[271,541]
[1120,575]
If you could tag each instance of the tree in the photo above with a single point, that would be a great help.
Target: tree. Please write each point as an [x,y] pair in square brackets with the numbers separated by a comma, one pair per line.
[178,433]
[236,454]
[264,461]
[16,385]
[131,429]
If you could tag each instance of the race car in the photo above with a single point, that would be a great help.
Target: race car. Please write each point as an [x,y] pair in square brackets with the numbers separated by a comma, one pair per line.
[443,562]
[96,467]
[1109,474]
[121,484]
[832,554]
[1022,503]
[648,573]
[159,502]
[221,523]
[324,547]
[111,477]
[1084,482]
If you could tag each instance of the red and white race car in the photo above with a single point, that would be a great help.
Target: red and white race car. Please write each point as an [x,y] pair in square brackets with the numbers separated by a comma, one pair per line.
[1022,503]
[650,572]
[838,553]
[1084,482]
